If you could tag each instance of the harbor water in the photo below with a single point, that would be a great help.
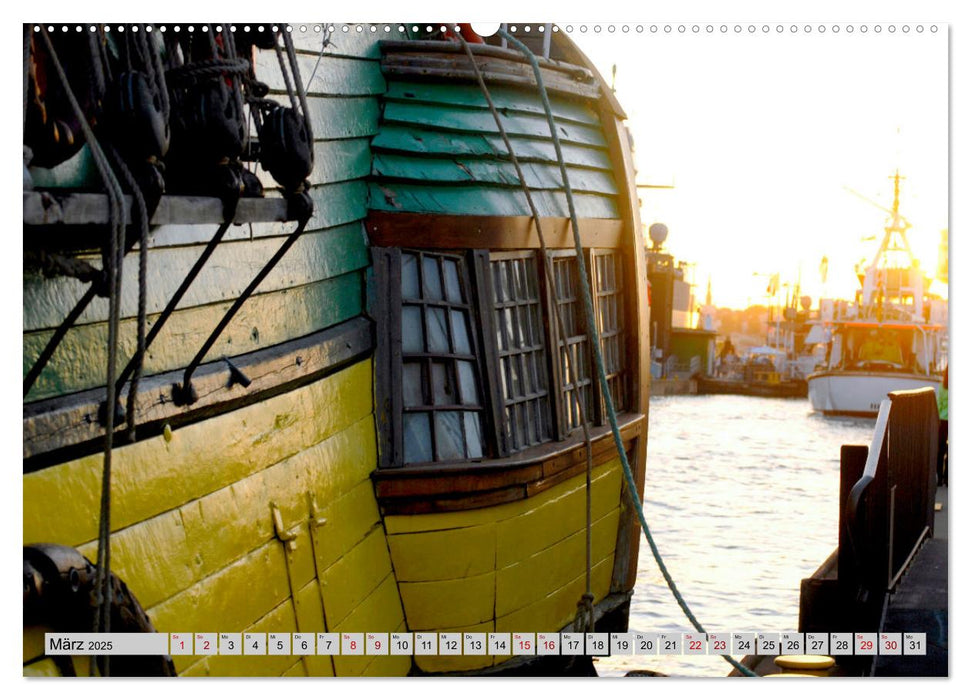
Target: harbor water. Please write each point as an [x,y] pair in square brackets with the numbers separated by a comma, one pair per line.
[741,496]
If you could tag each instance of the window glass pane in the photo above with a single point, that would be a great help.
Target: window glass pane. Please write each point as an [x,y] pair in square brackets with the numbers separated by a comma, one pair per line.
[448,435]
[473,434]
[412,336]
[431,278]
[453,290]
[411,384]
[510,326]
[469,393]
[437,330]
[417,438]
[460,333]
[409,276]
[443,393]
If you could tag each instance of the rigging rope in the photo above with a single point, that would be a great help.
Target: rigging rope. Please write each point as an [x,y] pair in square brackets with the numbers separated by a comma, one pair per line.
[598,356]
[113,259]
[139,358]
[584,618]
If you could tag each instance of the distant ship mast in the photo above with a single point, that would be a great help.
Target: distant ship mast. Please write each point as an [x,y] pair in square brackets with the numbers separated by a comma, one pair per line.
[893,279]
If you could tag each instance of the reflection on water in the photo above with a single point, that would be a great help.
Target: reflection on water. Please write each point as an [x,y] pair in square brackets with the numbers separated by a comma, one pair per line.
[741,495]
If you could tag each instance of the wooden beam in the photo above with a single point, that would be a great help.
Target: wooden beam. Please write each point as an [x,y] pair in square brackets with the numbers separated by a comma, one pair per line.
[446,231]
[468,485]
[53,425]
[47,207]
[492,77]
[448,47]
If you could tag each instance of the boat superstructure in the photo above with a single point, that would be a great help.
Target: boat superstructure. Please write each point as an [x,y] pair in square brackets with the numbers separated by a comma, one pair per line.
[892,338]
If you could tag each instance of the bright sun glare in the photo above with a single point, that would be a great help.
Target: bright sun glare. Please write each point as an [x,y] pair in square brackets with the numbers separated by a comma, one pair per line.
[781,150]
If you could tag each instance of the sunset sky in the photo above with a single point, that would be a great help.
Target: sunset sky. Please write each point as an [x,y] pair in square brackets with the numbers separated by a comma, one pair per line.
[762,135]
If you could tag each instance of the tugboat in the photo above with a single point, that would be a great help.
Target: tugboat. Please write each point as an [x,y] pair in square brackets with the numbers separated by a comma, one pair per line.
[893,338]
[305,347]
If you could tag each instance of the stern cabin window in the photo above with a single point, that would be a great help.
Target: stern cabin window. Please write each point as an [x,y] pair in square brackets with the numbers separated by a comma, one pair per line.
[466,371]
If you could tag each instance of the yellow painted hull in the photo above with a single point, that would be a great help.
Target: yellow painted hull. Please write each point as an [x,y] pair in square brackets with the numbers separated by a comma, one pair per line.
[193,538]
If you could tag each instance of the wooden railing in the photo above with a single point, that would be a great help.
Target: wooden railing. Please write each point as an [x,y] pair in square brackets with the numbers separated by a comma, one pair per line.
[887,494]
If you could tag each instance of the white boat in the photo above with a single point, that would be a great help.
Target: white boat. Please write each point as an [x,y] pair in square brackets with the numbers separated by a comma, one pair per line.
[894,337]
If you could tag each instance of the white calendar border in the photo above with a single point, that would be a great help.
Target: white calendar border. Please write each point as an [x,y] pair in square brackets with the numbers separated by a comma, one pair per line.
[383,9]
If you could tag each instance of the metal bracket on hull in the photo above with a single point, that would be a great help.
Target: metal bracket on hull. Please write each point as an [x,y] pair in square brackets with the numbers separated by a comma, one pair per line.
[288,537]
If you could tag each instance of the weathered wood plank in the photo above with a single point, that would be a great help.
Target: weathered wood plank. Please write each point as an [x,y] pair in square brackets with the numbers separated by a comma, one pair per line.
[336,75]
[405,139]
[522,536]
[263,321]
[314,257]
[379,611]
[529,580]
[167,554]
[334,204]
[357,574]
[505,98]
[166,471]
[539,176]
[42,208]
[517,77]
[461,487]
[434,117]
[459,602]
[558,609]
[220,602]
[338,117]
[480,51]
[334,161]
[402,229]
[484,200]
[444,554]
[57,423]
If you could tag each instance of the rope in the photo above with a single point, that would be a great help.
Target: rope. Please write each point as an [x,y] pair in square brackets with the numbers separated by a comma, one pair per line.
[102,622]
[211,68]
[598,355]
[301,90]
[139,357]
[286,75]
[229,43]
[584,617]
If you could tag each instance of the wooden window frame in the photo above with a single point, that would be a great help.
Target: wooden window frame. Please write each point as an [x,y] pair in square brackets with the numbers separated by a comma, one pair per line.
[496,355]
[387,303]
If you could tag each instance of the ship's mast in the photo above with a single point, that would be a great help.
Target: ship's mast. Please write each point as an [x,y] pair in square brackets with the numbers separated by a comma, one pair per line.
[893,274]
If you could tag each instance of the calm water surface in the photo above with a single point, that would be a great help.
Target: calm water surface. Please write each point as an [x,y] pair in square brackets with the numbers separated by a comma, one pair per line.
[741,495]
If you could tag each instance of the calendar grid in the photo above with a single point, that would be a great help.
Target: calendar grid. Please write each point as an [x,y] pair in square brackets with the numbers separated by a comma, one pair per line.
[666,643]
